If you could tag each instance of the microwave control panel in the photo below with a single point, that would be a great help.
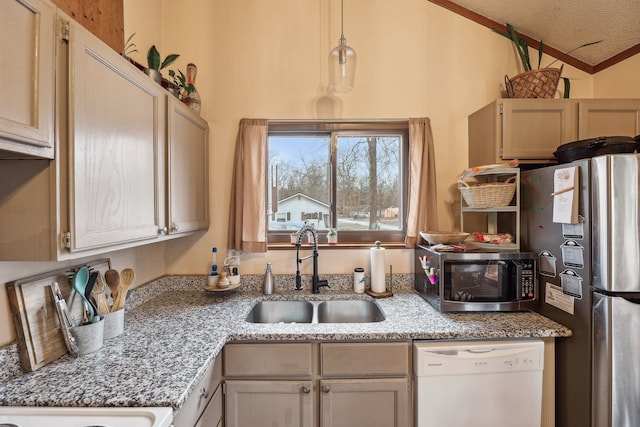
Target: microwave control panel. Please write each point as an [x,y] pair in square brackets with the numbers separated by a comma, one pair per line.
[527,277]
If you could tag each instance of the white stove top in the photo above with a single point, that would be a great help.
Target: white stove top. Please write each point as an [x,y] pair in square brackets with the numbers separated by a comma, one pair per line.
[21,416]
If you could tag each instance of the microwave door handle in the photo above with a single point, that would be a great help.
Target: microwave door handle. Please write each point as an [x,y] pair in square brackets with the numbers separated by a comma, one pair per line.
[518,279]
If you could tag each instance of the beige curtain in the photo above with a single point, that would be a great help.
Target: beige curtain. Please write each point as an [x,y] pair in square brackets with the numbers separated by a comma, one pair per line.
[247,214]
[422,210]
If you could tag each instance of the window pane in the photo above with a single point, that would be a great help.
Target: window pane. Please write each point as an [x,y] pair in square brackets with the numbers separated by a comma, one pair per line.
[299,184]
[369,182]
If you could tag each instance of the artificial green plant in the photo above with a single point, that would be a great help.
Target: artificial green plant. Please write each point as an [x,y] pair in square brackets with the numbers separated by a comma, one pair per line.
[154,61]
[180,80]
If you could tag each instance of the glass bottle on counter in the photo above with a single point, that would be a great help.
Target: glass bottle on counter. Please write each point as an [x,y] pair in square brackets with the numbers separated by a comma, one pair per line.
[193,98]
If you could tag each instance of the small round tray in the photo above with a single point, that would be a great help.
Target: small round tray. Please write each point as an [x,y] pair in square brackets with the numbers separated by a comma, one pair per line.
[215,288]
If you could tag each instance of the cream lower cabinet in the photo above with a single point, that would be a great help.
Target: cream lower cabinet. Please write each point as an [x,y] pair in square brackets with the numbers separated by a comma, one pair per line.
[27,55]
[364,402]
[530,130]
[269,403]
[318,384]
[203,408]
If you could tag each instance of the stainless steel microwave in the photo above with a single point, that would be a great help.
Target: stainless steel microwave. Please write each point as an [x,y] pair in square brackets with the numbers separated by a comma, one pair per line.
[476,281]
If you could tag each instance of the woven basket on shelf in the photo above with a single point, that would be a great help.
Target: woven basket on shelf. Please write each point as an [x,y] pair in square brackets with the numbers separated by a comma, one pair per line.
[540,83]
[491,195]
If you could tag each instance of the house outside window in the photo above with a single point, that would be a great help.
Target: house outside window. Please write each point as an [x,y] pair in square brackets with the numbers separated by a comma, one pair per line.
[351,176]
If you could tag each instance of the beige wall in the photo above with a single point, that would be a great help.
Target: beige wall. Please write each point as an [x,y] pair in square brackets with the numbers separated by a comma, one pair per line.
[268,59]
[620,81]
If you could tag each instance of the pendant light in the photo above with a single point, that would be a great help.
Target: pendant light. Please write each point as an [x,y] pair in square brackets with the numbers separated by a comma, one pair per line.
[342,62]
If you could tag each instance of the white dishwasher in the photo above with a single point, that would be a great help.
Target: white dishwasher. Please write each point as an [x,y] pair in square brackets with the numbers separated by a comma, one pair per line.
[478,383]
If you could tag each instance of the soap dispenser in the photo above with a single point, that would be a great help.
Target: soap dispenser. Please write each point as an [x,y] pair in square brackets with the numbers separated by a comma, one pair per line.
[269,281]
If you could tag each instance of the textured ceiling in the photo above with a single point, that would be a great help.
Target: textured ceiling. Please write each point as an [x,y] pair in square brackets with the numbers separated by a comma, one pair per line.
[566,24]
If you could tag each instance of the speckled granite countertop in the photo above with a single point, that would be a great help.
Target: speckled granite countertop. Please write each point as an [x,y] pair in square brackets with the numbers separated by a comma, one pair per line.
[174,330]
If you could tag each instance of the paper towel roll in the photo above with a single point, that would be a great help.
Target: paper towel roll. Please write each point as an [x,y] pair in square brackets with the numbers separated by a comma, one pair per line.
[378,284]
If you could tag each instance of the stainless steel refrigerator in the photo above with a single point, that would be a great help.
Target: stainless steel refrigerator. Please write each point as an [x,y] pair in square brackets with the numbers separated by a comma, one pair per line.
[589,279]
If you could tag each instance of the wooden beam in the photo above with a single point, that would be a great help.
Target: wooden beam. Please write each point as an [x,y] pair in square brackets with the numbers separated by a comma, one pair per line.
[104,18]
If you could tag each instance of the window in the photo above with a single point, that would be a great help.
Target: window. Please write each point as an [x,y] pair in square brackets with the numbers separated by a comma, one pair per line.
[347,176]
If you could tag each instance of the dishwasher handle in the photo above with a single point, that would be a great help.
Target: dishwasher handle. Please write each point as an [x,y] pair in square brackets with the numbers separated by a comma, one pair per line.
[492,352]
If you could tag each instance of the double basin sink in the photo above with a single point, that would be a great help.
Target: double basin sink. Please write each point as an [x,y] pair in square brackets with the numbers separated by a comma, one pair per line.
[332,311]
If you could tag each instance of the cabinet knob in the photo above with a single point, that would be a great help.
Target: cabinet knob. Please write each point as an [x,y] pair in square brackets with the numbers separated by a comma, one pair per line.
[204,394]
[326,389]
[306,389]
[174,227]
[162,230]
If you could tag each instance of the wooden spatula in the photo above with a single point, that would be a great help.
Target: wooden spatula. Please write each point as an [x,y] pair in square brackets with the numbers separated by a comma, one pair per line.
[113,281]
[126,279]
[98,295]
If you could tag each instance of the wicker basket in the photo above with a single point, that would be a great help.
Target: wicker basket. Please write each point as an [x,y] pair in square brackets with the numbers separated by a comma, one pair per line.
[540,83]
[490,195]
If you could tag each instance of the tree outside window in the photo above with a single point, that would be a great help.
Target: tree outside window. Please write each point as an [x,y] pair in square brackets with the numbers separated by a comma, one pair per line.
[350,180]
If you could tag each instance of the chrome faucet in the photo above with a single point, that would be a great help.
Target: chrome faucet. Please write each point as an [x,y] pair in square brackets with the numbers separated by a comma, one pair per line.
[316,283]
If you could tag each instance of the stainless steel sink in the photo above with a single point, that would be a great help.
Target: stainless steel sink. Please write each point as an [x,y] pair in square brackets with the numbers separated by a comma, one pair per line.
[281,312]
[349,311]
[333,311]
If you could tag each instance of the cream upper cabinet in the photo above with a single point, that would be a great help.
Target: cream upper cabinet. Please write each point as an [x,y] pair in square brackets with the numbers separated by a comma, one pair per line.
[117,180]
[187,161]
[116,139]
[27,55]
[608,117]
[531,130]
[534,130]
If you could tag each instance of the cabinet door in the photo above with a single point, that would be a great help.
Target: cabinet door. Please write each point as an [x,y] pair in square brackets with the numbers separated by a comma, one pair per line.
[534,128]
[608,117]
[116,134]
[371,403]
[27,28]
[205,399]
[269,403]
[187,157]
[212,415]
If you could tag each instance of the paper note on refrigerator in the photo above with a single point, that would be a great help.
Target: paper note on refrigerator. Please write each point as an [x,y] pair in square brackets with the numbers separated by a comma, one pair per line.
[565,195]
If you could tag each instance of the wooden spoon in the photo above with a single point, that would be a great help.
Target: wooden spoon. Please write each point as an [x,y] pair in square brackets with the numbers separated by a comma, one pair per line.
[113,281]
[127,275]
[99,296]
